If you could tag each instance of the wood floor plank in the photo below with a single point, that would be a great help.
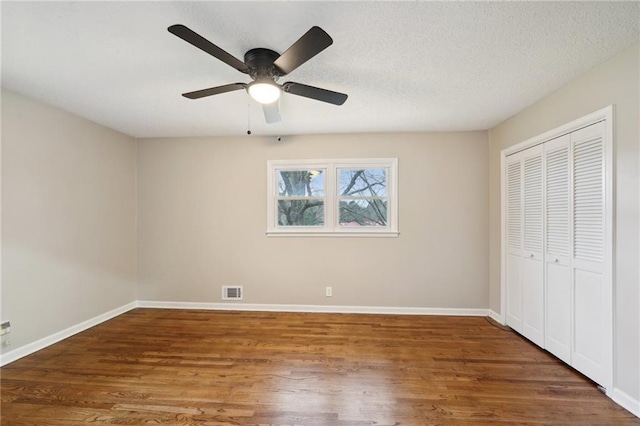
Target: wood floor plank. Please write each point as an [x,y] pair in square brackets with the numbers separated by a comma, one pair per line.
[178,367]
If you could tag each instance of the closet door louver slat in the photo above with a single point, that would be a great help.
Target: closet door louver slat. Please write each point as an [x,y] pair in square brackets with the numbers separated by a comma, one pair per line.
[588,214]
[533,204]
[514,228]
[558,202]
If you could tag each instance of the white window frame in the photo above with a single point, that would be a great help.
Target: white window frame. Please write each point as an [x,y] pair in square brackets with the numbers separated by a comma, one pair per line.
[331,226]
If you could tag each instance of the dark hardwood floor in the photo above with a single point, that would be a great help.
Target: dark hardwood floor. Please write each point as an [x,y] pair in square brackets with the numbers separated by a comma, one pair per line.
[174,367]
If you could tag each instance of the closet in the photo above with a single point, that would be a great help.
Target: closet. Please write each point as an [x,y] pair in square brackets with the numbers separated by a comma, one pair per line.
[557,260]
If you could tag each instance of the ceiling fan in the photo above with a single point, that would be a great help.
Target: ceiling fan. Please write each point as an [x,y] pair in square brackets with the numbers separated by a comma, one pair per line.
[265,67]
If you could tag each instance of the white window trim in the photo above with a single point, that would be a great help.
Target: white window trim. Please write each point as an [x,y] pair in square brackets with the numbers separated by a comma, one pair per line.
[331,227]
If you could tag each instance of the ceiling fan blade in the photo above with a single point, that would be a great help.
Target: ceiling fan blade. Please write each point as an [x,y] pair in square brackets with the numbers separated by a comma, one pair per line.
[316,93]
[203,44]
[214,90]
[309,45]
[271,112]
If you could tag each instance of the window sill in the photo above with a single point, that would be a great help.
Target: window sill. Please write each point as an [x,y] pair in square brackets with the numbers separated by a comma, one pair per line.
[329,234]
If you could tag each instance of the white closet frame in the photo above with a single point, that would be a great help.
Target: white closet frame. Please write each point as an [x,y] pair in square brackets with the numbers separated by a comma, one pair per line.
[605,114]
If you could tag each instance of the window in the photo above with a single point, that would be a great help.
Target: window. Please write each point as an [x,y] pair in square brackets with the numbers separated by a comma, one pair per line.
[332,197]
[300,197]
[362,197]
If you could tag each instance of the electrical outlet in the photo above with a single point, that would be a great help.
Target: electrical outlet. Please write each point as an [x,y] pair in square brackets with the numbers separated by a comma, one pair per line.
[6,342]
[328,291]
[5,328]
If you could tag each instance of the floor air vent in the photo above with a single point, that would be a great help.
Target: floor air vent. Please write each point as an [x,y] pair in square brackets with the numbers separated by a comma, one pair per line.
[232,293]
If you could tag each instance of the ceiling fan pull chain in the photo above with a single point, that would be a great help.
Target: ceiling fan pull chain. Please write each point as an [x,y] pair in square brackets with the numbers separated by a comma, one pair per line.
[248,118]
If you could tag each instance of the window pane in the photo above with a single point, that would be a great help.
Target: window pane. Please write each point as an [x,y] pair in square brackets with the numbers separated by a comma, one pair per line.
[301,183]
[300,213]
[362,182]
[363,213]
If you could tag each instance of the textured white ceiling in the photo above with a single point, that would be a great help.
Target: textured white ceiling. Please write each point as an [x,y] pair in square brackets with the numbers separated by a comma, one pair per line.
[407,66]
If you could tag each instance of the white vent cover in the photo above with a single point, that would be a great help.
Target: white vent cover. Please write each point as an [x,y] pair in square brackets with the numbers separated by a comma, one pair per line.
[232,293]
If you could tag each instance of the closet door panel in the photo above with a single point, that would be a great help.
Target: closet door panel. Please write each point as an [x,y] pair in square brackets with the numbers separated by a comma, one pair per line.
[589,350]
[514,293]
[558,312]
[557,248]
[533,300]
[591,310]
[514,230]
[532,261]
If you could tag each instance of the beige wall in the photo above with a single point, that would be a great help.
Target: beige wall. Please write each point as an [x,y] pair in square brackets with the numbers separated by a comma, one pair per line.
[613,82]
[68,219]
[202,222]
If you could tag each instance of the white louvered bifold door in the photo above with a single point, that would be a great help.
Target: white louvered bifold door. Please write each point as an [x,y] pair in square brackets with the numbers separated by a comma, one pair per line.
[514,240]
[558,306]
[532,260]
[558,209]
[591,335]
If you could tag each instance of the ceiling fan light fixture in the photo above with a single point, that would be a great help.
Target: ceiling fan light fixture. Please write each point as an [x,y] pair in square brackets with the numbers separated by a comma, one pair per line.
[264,91]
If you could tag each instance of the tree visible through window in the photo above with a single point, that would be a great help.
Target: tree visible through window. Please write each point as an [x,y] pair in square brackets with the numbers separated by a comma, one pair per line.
[301,197]
[363,197]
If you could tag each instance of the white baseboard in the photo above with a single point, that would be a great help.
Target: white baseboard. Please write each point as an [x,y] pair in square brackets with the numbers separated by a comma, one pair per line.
[30,348]
[337,309]
[497,317]
[625,401]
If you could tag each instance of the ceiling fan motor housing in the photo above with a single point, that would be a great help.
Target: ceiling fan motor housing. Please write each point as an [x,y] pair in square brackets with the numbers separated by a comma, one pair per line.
[260,63]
